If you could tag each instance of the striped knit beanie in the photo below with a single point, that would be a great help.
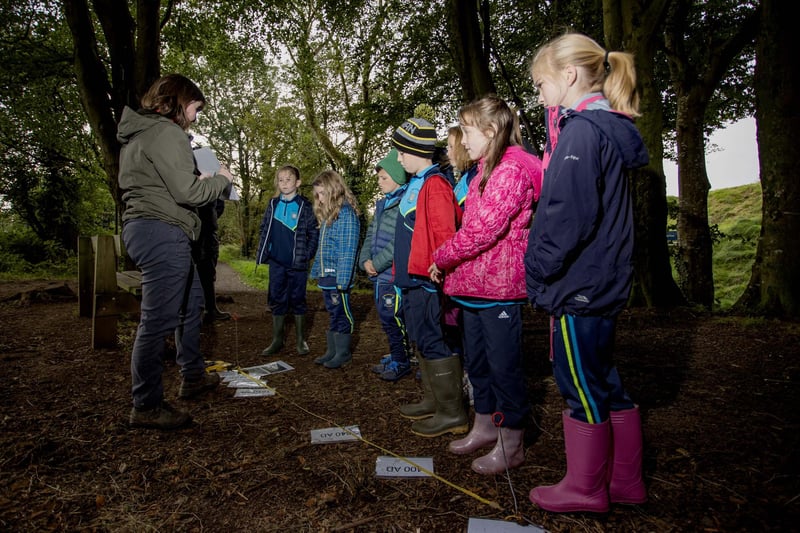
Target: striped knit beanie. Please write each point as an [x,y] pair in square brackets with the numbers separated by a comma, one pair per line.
[415,136]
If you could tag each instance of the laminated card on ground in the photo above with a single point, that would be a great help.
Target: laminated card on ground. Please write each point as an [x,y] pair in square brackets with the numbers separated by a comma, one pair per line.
[275,367]
[484,525]
[253,393]
[388,466]
[336,434]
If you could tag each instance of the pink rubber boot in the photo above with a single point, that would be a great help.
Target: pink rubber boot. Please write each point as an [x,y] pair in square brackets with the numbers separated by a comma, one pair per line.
[584,486]
[625,470]
[508,449]
[483,433]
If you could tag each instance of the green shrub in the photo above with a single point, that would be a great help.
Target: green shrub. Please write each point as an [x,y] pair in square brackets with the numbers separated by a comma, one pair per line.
[24,256]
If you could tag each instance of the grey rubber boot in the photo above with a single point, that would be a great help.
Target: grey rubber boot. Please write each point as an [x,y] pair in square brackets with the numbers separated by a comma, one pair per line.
[300,332]
[277,335]
[425,407]
[343,356]
[446,377]
[330,350]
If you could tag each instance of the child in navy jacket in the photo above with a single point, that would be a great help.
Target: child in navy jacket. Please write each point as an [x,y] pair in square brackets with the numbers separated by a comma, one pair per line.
[287,243]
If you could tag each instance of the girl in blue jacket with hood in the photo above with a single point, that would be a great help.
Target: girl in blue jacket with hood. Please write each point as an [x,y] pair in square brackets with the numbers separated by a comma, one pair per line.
[579,264]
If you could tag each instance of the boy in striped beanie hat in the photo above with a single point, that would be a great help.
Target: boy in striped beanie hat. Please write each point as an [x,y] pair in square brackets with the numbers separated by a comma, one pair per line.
[416,136]
[428,215]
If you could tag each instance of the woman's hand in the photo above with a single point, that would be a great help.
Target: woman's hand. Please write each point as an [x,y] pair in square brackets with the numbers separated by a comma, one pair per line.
[225,172]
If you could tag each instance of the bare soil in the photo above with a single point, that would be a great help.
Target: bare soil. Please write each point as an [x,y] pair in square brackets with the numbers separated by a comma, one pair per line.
[719,400]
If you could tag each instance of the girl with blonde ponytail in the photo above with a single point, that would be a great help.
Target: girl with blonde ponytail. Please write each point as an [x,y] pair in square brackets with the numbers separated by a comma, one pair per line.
[579,265]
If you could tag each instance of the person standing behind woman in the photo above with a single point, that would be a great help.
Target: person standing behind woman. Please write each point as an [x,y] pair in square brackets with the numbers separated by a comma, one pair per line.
[206,255]
[334,267]
[377,259]
[484,262]
[162,191]
[579,265]
[462,162]
[288,240]
[452,328]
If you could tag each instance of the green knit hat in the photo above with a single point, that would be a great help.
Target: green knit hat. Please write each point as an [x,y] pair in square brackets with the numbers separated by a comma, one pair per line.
[393,167]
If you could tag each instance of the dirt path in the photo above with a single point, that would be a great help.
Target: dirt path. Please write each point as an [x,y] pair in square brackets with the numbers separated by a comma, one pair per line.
[228,281]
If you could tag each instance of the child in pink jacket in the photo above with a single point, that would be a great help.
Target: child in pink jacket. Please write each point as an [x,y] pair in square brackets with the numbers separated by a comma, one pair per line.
[485,268]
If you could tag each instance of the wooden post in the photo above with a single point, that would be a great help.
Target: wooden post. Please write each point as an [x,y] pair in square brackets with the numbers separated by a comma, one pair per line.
[104,327]
[85,276]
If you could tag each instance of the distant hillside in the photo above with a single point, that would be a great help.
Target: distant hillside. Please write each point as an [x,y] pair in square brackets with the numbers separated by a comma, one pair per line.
[736,212]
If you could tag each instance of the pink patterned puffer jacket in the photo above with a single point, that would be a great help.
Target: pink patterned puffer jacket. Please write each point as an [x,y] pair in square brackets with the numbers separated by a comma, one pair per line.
[484,259]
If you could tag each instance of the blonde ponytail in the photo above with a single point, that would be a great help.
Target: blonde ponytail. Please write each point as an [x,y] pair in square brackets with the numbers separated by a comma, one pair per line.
[612,73]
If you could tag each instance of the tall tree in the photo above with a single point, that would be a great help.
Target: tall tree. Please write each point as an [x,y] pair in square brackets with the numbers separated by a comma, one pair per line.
[635,26]
[702,41]
[49,177]
[114,65]
[774,287]
[353,79]
[470,46]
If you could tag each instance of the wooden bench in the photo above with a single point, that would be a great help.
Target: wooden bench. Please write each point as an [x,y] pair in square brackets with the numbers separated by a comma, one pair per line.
[105,292]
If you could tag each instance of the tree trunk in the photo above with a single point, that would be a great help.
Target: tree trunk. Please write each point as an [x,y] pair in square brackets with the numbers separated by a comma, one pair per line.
[629,26]
[470,57]
[104,99]
[774,287]
[694,249]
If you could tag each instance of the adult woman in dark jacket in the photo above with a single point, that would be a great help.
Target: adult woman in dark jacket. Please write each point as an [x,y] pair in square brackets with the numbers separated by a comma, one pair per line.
[162,190]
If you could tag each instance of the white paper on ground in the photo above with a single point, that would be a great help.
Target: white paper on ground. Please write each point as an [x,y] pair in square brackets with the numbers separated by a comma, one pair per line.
[388,466]
[335,434]
[274,367]
[253,393]
[243,382]
[484,525]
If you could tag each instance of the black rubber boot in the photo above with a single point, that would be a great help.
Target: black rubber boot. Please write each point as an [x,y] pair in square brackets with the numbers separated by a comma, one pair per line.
[343,356]
[330,350]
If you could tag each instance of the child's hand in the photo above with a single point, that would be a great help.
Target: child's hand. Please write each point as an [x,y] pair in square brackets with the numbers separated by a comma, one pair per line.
[369,268]
[435,273]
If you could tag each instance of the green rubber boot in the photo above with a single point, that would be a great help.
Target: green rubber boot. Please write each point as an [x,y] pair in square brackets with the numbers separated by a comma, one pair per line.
[446,378]
[300,333]
[277,335]
[425,407]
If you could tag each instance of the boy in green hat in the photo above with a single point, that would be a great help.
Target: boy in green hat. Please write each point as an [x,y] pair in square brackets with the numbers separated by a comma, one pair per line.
[376,259]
